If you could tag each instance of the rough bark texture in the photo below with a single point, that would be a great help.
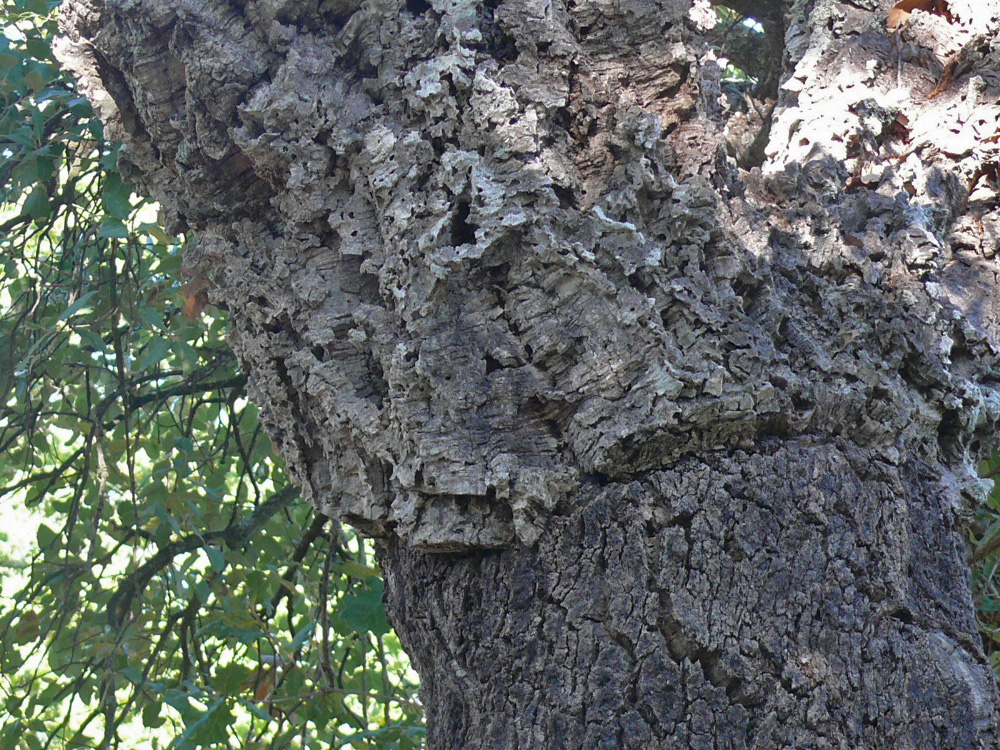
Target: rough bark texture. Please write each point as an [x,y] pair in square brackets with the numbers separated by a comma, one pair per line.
[706,607]
[695,444]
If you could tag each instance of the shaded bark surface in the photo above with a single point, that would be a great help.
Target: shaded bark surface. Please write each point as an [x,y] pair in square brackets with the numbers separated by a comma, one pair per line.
[663,452]
[710,607]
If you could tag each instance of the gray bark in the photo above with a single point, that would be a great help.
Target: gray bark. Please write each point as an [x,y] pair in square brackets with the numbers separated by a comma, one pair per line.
[661,452]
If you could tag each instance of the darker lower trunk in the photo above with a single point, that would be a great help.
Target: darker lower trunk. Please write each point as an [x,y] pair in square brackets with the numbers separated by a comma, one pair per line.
[801,596]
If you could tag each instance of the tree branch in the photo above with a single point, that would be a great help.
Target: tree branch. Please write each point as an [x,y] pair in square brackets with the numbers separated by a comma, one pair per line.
[235,536]
[185,389]
[314,532]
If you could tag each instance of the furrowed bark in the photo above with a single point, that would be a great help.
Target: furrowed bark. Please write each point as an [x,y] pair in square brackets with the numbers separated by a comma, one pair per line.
[661,452]
[748,600]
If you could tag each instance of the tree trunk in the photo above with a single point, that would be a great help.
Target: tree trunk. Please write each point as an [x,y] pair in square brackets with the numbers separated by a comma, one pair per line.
[663,397]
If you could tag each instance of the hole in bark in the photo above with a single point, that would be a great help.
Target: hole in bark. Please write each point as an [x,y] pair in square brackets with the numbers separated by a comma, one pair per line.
[596,478]
[677,79]
[566,196]
[802,402]
[498,273]
[462,232]
[492,364]
[542,414]
[356,58]
[496,40]
[902,613]
[749,290]
[949,435]
[418,7]
[379,388]
[731,548]
[319,353]
[563,118]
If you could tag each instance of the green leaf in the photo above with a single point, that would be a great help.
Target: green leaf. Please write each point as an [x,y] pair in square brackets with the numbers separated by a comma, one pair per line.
[158,234]
[256,710]
[41,7]
[132,674]
[244,635]
[152,716]
[216,557]
[36,203]
[115,197]
[22,137]
[211,726]
[183,444]
[28,627]
[187,354]
[355,570]
[180,702]
[45,536]
[35,79]
[13,705]
[234,678]
[302,636]
[363,609]
[112,229]
[154,353]
[77,306]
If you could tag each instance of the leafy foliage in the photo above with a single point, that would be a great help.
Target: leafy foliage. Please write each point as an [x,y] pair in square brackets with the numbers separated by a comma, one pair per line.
[741,42]
[986,565]
[162,580]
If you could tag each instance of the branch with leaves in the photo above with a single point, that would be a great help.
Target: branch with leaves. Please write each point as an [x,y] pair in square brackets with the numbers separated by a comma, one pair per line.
[128,454]
[234,537]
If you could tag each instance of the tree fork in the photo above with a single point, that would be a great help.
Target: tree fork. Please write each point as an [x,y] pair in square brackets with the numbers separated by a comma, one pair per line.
[660,452]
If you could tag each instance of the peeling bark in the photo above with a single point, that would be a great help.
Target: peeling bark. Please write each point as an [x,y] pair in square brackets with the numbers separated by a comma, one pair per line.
[695,444]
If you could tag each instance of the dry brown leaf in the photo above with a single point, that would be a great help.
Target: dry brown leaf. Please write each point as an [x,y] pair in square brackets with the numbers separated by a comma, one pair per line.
[195,297]
[194,305]
[901,11]
[265,685]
